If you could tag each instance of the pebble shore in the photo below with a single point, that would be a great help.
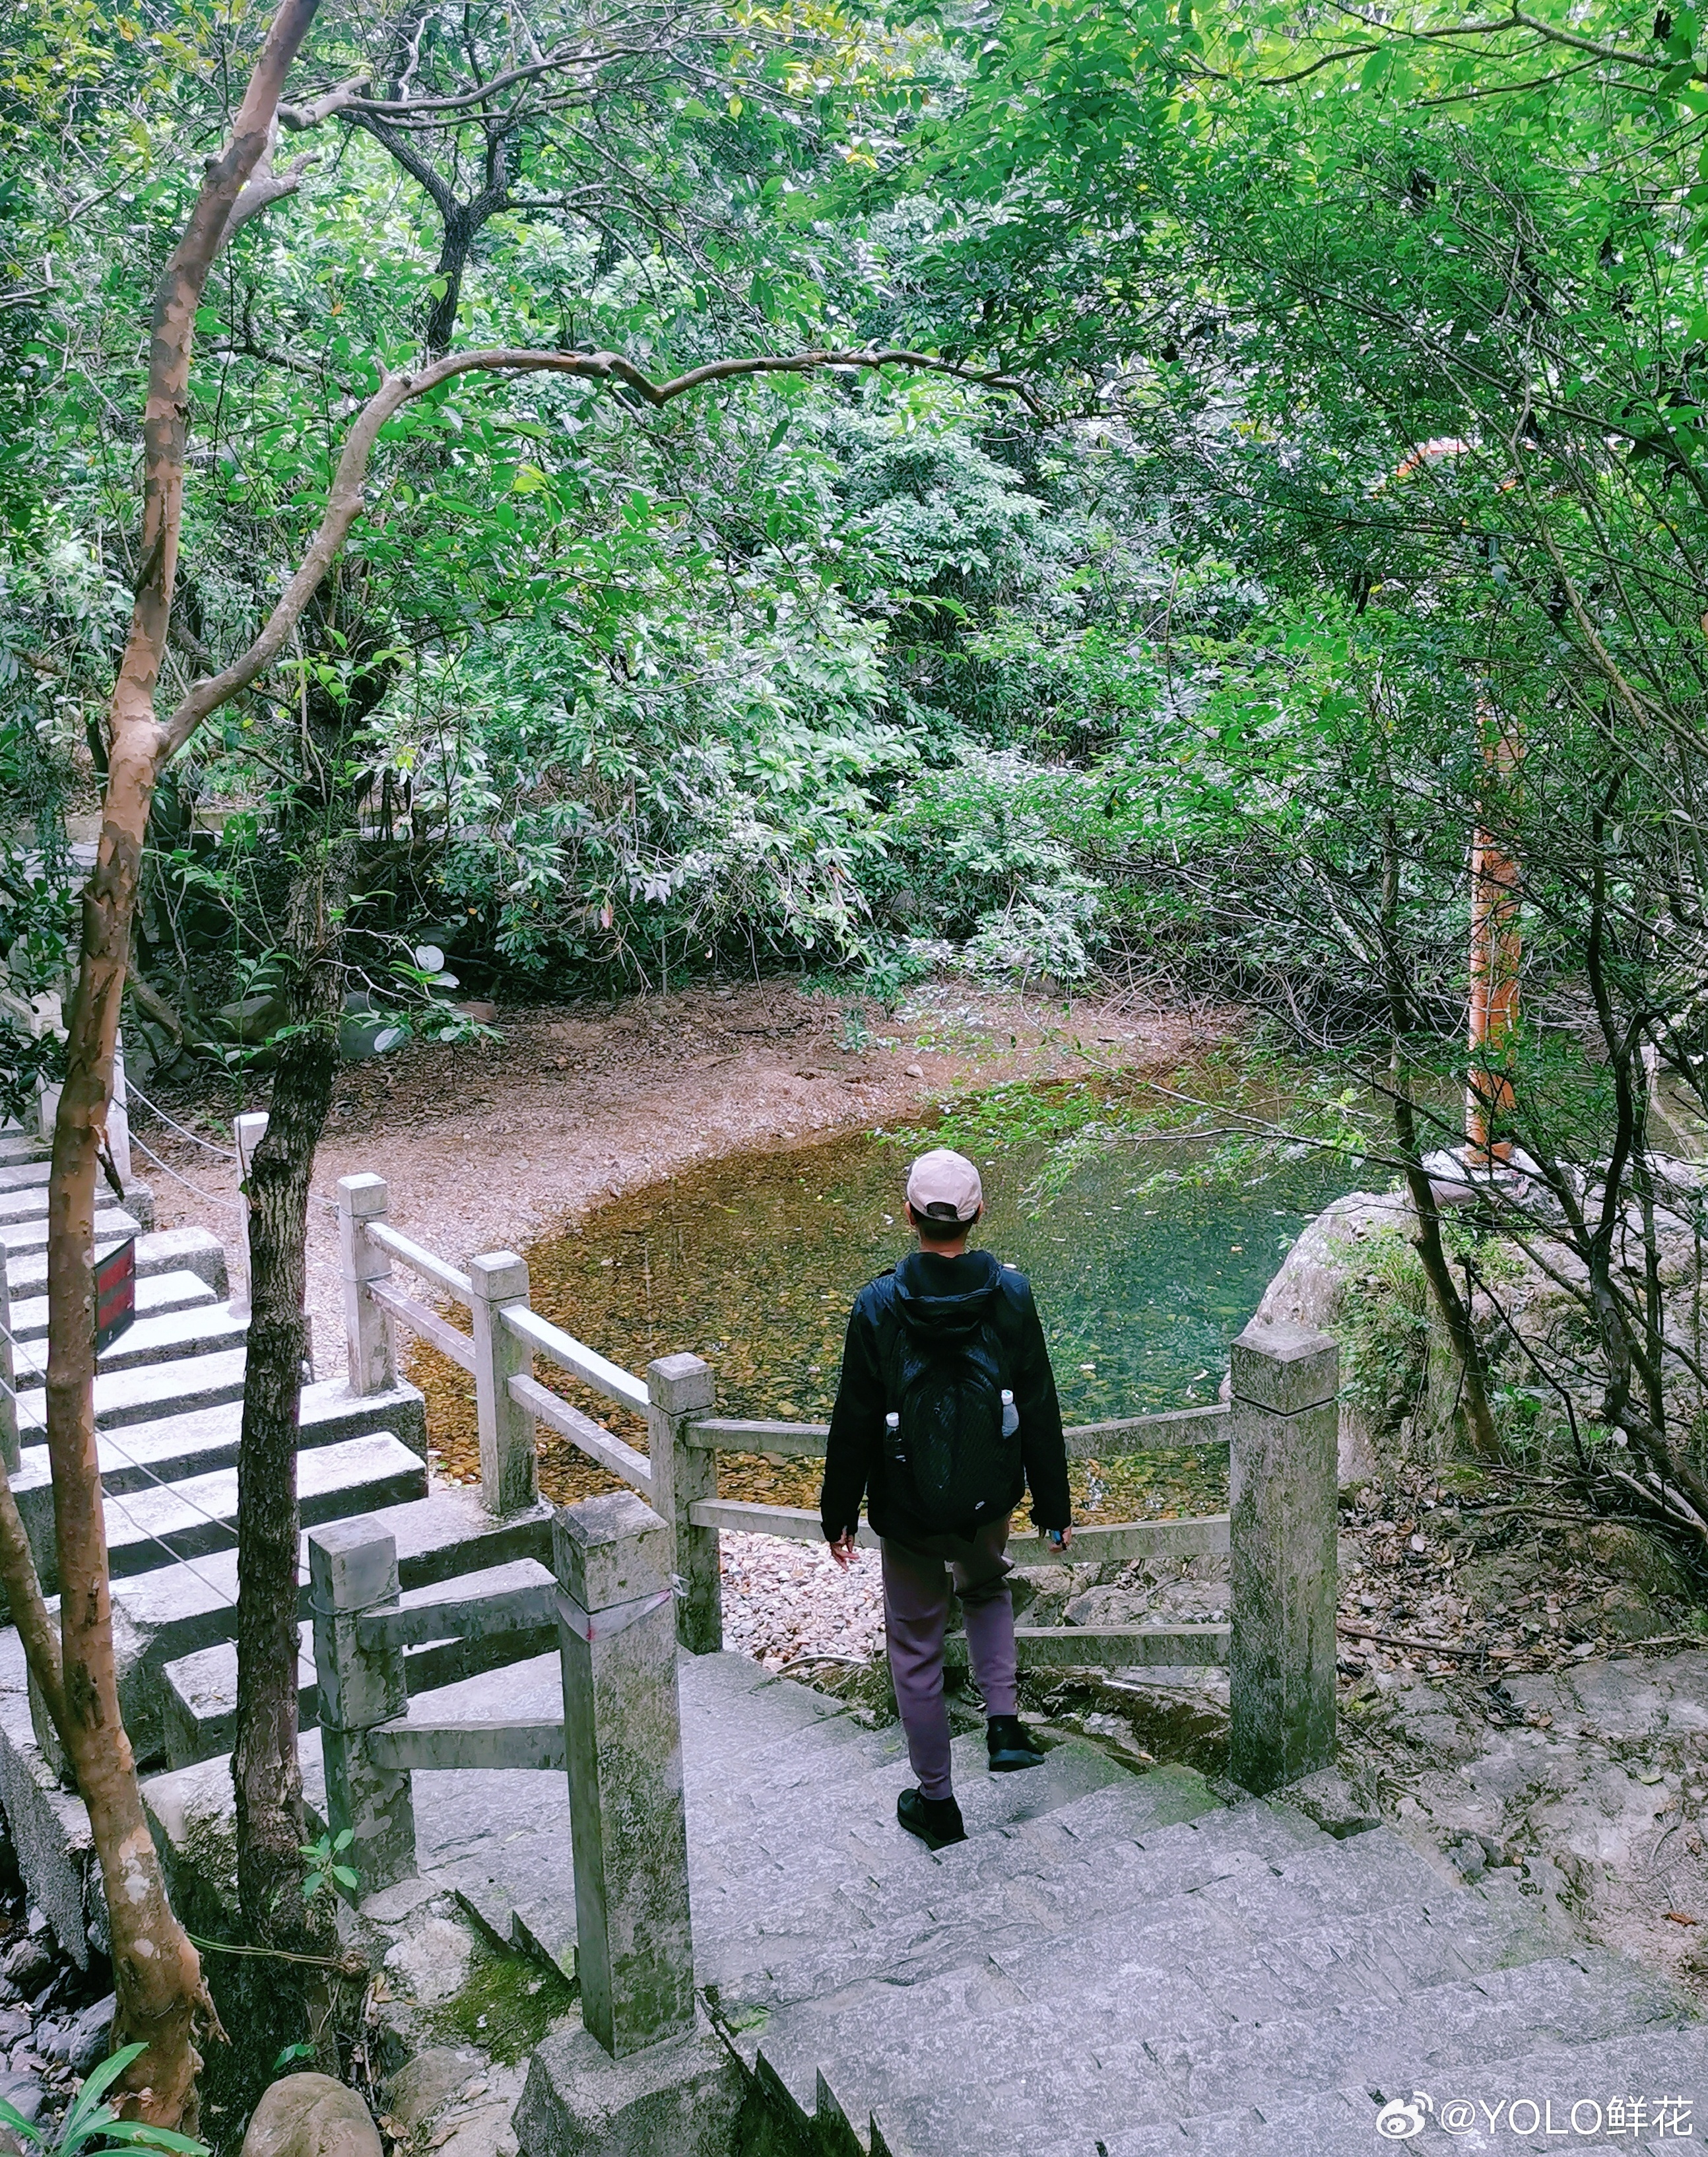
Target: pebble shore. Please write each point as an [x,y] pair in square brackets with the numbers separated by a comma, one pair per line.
[785,1603]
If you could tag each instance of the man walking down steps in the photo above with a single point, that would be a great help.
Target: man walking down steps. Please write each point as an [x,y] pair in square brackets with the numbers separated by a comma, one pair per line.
[945,1413]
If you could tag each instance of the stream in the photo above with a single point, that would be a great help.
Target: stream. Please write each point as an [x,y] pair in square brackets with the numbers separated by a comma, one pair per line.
[752,1260]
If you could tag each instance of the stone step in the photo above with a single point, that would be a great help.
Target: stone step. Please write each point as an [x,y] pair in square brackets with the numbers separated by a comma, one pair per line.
[177,1609]
[146,1528]
[199,1711]
[28,1200]
[164,1251]
[993,1896]
[152,1393]
[140,1456]
[1100,2066]
[17,1146]
[110,1226]
[171,1336]
[791,1810]
[1169,1956]
[25,1174]
[1650,2066]
[157,1294]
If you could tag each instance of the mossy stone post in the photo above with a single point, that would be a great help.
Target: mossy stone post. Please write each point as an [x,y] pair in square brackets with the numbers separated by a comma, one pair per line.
[499,1279]
[368,1329]
[8,1378]
[680,1388]
[1283,1439]
[352,1568]
[622,1732]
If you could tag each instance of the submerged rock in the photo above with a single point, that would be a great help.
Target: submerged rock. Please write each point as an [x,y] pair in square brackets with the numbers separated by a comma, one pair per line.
[310,2115]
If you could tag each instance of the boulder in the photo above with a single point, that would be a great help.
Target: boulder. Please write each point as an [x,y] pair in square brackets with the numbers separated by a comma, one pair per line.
[431,1963]
[421,2085]
[25,2093]
[310,2115]
[1328,1799]
[1311,1289]
[87,2039]
[28,1965]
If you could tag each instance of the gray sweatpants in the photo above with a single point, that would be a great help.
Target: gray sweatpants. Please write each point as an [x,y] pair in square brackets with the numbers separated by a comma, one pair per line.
[915,1611]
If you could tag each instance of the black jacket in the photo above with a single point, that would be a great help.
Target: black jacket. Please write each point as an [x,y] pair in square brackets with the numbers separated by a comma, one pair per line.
[929,1292]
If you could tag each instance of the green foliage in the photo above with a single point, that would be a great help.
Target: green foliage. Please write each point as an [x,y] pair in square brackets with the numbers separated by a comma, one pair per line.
[1383,1331]
[325,1874]
[89,2121]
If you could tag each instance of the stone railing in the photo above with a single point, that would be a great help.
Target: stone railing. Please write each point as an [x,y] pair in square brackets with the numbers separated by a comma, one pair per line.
[619,1740]
[622,1566]
[1279,1423]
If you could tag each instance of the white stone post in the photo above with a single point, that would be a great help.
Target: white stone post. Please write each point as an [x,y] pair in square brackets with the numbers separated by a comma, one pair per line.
[119,1117]
[352,1568]
[246,1133]
[680,1388]
[622,1731]
[368,1329]
[1283,1441]
[48,1114]
[8,1378]
[497,1279]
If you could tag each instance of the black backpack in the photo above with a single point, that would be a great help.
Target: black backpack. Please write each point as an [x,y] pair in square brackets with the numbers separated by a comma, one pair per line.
[952,1464]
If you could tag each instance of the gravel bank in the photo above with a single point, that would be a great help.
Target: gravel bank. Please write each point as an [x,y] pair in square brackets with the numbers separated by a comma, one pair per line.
[786,1601]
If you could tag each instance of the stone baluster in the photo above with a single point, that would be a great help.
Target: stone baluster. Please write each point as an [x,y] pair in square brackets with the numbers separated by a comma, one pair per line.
[680,1388]
[1283,1439]
[8,1377]
[622,1733]
[119,1117]
[247,1132]
[368,1329]
[352,1568]
[508,1479]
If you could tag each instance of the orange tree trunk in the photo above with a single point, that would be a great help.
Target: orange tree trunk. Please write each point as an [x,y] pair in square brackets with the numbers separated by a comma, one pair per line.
[162,1998]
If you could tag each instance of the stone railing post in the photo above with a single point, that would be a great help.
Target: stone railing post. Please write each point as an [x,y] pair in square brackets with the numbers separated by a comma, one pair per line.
[680,1388]
[8,1378]
[352,1568]
[1284,1437]
[508,1465]
[622,1732]
[247,1132]
[368,1329]
[119,1117]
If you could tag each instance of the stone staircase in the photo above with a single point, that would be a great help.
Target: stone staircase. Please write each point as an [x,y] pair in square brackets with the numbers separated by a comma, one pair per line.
[1112,1965]
[169,1410]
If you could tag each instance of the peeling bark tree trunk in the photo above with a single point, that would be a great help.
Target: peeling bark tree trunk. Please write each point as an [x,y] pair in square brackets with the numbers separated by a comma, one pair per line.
[1432,1251]
[162,1998]
[265,1772]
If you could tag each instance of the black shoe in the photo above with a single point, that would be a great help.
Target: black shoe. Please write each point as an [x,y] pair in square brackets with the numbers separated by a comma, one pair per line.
[1010,1748]
[936,1821]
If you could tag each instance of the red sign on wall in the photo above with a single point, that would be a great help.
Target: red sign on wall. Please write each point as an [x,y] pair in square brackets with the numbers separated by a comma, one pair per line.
[114,1294]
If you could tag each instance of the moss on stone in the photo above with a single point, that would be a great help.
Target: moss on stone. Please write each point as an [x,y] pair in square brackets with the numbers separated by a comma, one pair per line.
[507,2004]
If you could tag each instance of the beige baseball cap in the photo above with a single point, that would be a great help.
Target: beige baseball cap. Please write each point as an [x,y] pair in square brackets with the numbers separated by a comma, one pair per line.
[944,1187]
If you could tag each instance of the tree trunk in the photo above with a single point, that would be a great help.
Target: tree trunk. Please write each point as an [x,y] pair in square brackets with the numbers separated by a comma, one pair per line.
[1432,1251]
[161,1995]
[265,1772]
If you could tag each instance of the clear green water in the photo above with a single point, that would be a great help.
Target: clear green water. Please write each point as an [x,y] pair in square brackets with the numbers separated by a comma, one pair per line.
[751,1262]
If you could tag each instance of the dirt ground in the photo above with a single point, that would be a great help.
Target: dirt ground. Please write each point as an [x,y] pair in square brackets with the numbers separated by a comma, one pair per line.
[488,1146]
